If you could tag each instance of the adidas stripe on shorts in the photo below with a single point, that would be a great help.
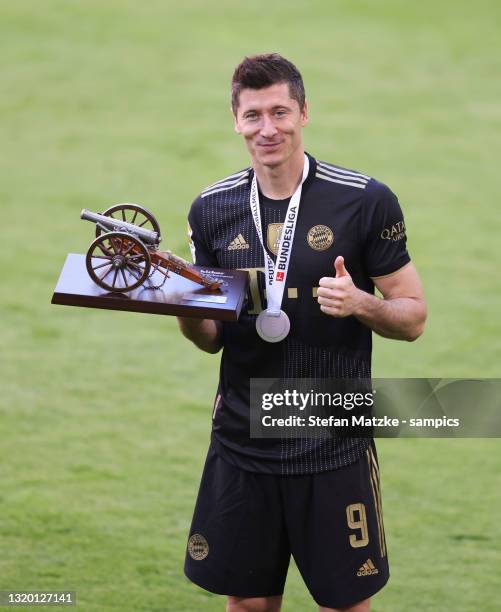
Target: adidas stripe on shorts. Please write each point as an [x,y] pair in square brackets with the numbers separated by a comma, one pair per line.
[246,525]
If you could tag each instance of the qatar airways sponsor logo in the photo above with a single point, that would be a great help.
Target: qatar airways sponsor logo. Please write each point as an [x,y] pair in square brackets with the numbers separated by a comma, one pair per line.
[395,232]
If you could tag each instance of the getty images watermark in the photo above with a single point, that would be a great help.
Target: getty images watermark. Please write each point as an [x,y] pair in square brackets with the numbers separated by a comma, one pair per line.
[305,401]
[416,407]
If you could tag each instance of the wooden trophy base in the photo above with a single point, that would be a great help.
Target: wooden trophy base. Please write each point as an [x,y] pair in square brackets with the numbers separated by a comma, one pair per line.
[178,296]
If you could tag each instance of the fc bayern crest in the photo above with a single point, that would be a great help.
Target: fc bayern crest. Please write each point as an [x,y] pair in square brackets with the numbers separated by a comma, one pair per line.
[320,237]
[198,547]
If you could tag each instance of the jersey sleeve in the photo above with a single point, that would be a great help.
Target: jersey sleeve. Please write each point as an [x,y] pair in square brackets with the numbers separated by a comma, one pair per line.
[198,238]
[383,231]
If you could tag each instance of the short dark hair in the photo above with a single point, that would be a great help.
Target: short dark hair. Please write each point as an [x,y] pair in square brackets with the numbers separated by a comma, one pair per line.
[259,71]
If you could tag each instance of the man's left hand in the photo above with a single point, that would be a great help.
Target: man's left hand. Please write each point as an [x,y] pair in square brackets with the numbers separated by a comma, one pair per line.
[337,295]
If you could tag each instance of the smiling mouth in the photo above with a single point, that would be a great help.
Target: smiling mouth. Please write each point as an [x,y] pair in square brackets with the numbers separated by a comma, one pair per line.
[269,145]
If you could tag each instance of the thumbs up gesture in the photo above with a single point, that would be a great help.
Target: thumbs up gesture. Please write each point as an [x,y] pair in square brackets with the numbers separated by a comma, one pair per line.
[339,267]
[338,296]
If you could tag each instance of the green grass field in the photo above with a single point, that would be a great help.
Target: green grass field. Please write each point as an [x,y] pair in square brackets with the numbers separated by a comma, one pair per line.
[105,416]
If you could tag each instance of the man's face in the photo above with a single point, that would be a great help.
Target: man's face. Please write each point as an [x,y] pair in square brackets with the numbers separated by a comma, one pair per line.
[271,123]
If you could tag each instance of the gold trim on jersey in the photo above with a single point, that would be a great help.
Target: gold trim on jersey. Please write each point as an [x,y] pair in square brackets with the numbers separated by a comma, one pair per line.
[376,492]
[392,273]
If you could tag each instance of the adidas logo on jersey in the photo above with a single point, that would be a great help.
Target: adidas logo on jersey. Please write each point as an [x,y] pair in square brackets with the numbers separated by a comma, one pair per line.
[367,569]
[238,243]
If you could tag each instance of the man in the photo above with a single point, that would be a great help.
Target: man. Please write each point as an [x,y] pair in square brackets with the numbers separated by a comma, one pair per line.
[317,238]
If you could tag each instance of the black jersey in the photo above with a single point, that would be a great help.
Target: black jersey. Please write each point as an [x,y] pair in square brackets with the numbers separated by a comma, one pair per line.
[342,212]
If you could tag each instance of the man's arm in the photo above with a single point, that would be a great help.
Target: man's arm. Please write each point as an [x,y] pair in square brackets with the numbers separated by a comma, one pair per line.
[400,314]
[206,334]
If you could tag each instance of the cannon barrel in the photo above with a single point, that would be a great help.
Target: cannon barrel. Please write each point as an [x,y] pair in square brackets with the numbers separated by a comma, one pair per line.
[117,225]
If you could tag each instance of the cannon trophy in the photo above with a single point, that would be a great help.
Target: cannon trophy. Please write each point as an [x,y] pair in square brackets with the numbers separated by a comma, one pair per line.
[125,252]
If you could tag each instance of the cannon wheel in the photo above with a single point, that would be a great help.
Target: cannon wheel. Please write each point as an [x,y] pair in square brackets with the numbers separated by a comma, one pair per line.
[131,213]
[117,261]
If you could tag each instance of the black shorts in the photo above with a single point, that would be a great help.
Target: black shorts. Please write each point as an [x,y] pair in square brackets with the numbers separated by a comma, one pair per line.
[246,525]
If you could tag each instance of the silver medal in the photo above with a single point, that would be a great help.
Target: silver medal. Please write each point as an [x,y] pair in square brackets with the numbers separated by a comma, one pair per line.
[273,324]
[273,327]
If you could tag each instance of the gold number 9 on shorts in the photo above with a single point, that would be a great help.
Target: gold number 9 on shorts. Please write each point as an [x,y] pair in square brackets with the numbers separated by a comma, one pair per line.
[357,519]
